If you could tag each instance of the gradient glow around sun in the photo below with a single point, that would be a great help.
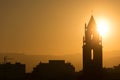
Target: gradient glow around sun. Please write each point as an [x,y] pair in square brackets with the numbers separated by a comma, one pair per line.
[102,27]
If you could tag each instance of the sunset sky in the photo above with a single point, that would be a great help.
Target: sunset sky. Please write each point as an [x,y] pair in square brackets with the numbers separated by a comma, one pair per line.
[55,26]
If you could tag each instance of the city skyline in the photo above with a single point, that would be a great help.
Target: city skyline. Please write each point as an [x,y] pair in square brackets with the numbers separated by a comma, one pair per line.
[56,27]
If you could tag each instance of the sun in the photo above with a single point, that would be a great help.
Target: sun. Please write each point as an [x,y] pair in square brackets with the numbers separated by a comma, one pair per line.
[102,27]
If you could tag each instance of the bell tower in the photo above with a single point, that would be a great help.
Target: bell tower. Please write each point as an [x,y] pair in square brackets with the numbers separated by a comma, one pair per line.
[92,50]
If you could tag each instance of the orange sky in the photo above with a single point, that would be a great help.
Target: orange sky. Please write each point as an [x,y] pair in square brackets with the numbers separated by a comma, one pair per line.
[54,26]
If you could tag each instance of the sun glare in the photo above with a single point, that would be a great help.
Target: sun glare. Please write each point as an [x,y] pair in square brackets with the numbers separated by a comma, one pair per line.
[102,27]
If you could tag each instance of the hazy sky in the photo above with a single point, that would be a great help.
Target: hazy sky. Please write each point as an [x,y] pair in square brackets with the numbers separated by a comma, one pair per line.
[54,26]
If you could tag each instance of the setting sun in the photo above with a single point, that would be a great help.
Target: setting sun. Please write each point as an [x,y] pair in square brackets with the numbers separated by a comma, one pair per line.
[102,27]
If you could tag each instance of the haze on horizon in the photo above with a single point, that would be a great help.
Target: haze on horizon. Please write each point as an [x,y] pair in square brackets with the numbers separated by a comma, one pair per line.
[49,27]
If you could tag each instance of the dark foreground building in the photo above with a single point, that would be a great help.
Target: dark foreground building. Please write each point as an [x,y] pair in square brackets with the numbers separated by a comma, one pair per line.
[10,71]
[54,70]
[92,52]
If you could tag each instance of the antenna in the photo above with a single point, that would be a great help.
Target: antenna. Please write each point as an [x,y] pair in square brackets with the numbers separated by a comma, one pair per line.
[6,59]
[91,12]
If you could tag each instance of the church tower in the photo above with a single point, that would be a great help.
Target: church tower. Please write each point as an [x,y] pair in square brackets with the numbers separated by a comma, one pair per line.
[92,49]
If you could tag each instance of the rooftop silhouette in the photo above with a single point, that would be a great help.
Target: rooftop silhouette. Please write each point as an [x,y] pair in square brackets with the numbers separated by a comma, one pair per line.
[54,70]
[10,71]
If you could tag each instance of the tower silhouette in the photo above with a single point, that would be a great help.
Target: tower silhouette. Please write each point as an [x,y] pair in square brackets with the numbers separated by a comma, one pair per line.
[92,50]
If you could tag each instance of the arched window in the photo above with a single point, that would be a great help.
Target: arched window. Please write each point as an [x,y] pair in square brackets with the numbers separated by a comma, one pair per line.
[91,36]
[92,54]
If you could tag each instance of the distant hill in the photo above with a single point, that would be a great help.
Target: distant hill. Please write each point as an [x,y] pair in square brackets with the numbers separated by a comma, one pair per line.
[110,59]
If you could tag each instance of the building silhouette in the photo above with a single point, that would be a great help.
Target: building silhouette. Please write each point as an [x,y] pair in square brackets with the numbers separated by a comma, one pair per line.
[10,71]
[92,51]
[112,73]
[54,70]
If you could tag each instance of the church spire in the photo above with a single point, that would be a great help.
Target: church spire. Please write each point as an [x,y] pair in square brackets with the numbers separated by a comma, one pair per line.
[92,22]
[91,33]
